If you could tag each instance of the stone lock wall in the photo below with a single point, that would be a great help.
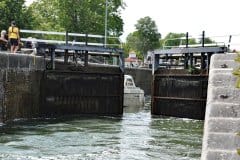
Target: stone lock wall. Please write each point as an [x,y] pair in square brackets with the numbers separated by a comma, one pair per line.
[221,140]
[20,77]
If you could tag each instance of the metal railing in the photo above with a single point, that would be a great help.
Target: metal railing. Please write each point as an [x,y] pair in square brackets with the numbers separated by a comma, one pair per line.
[66,35]
[65,45]
[218,40]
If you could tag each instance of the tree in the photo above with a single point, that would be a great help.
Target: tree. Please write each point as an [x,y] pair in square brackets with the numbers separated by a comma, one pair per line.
[133,41]
[176,39]
[79,16]
[14,10]
[126,49]
[146,38]
[207,40]
[46,15]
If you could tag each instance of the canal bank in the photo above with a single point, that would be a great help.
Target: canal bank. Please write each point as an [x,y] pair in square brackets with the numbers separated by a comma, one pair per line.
[221,139]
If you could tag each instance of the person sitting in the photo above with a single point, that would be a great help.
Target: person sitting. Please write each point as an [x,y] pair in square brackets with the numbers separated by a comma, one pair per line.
[3,40]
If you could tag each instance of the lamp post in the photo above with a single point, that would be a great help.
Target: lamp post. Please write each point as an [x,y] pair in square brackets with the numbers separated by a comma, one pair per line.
[106,14]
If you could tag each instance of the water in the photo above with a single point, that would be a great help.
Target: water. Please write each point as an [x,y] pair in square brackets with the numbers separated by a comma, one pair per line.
[135,135]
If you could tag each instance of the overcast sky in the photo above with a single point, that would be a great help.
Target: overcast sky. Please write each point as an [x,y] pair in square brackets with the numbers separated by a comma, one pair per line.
[216,17]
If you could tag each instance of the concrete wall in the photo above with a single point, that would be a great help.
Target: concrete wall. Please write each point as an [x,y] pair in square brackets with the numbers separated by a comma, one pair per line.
[142,78]
[221,140]
[20,77]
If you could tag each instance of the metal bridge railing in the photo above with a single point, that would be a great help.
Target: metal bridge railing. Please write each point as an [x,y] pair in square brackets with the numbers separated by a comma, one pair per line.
[66,35]
[232,41]
[87,46]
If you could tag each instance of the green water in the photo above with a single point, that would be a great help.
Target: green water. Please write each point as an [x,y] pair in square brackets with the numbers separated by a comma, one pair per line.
[135,135]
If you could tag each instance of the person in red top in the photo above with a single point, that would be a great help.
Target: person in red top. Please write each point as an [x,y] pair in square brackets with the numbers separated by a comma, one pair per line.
[14,38]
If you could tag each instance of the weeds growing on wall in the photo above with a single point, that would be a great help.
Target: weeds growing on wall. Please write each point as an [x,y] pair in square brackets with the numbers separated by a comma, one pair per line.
[193,70]
[236,72]
[238,152]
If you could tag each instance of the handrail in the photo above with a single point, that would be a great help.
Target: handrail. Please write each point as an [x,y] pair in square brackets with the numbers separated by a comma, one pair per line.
[66,34]
[58,42]
[61,33]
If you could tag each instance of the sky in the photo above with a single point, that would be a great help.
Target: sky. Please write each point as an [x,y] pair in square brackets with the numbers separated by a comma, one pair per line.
[216,17]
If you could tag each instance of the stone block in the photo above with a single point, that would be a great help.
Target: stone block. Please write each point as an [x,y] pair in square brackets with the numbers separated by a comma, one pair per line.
[220,155]
[38,63]
[222,79]
[13,61]
[223,141]
[223,57]
[21,62]
[224,125]
[3,60]
[1,75]
[24,61]
[229,64]
[224,110]
[223,94]
[213,72]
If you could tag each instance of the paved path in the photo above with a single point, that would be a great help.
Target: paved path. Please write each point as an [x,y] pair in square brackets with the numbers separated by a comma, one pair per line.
[221,139]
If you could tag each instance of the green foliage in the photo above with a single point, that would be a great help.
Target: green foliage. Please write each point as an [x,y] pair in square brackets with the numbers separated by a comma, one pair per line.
[78,16]
[126,49]
[236,72]
[14,10]
[237,59]
[146,38]
[139,55]
[238,134]
[45,15]
[193,70]
[207,41]
[173,39]
[176,39]
[133,41]
[238,152]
